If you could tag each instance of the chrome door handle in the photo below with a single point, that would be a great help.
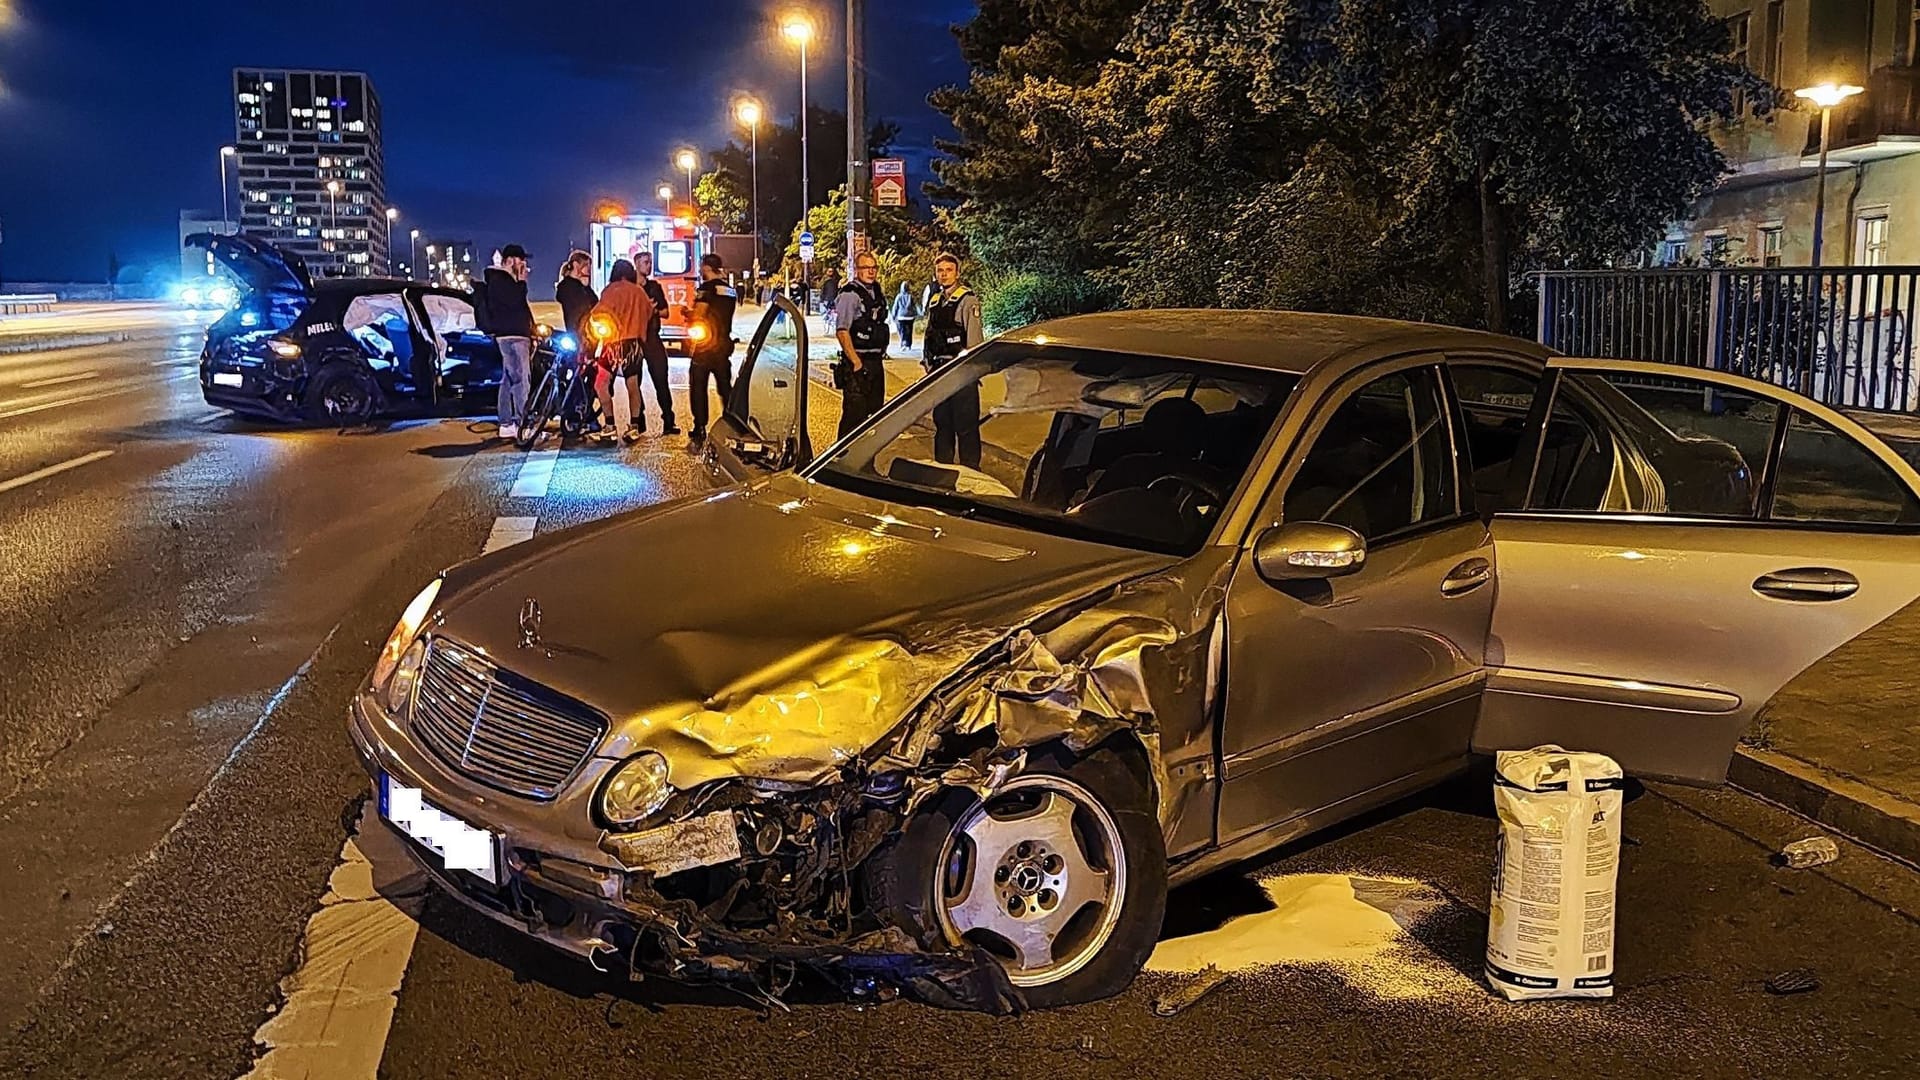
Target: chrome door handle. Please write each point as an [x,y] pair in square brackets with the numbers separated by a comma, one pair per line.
[1466,577]
[1807,583]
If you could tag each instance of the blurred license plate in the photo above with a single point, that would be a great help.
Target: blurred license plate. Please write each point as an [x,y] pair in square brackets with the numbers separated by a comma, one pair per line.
[459,845]
[228,378]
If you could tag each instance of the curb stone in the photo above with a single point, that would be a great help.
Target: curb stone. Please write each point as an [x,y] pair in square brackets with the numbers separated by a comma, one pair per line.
[1865,814]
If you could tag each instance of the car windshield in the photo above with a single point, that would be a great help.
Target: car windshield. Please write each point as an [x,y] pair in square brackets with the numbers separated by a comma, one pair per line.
[1140,451]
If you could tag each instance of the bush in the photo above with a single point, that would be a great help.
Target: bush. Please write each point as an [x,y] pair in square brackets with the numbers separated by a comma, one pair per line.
[1010,301]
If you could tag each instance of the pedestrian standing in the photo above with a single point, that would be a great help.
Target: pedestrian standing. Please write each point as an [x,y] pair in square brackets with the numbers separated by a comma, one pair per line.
[576,299]
[904,312]
[653,351]
[710,345]
[622,314]
[510,320]
[829,291]
[953,326]
[860,324]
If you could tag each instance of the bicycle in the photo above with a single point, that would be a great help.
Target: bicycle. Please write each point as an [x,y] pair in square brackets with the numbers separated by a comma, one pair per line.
[561,395]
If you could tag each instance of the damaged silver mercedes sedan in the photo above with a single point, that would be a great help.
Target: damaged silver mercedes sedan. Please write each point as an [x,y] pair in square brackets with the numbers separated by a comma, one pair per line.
[911,718]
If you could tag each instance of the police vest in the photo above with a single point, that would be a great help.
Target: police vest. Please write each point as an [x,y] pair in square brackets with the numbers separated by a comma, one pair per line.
[869,331]
[946,334]
[720,299]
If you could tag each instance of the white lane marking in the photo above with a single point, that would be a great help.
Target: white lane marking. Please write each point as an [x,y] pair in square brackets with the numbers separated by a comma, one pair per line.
[59,402]
[508,531]
[54,470]
[536,473]
[58,379]
[339,1003]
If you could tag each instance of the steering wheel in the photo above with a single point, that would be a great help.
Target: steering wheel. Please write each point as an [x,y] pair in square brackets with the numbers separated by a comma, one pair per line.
[1191,492]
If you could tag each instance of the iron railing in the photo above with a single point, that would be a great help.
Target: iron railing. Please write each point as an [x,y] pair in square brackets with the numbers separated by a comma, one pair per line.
[1842,335]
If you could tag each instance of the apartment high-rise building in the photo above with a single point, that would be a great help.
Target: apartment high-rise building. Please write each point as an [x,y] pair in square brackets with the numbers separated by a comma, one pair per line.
[1762,214]
[312,171]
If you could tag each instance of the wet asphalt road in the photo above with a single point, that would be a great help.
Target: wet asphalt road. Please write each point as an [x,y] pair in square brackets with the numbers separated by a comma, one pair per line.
[188,614]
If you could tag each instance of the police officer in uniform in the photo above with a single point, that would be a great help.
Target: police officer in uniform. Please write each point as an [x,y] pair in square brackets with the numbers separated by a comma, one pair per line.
[710,353]
[953,326]
[860,322]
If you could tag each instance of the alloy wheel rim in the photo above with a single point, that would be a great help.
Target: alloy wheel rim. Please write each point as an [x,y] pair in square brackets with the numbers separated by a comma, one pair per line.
[1035,875]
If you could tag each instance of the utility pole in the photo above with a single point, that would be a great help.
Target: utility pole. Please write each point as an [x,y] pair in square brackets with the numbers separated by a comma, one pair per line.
[857,166]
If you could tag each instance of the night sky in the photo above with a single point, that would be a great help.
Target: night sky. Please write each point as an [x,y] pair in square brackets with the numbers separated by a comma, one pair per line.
[504,120]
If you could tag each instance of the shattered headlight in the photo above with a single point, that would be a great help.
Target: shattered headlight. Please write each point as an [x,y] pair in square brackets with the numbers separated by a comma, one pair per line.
[634,790]
[412,621]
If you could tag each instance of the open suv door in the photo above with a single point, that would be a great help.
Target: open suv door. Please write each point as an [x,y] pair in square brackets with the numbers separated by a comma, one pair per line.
[1679,545]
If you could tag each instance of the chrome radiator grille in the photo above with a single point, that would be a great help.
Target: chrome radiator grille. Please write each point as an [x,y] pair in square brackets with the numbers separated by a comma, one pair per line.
[502,730]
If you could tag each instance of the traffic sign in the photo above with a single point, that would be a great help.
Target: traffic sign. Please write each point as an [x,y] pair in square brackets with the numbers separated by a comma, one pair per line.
[889,182]
[806,246]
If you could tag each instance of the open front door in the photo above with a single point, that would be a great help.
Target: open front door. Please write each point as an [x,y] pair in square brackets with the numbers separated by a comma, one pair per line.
[1683,544]
[764,426]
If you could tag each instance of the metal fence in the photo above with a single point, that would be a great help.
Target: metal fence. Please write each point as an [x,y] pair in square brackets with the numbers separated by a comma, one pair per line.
[1843,335]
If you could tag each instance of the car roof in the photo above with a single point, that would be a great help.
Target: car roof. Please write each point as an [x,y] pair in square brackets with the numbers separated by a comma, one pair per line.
[1289,341]
[363,286]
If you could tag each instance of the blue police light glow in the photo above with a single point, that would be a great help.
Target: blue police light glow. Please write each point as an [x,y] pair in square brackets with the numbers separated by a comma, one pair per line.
[565,343]
[190,295]
[248,318]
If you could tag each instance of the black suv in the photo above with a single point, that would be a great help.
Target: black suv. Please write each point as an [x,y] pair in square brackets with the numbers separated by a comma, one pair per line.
[343,351]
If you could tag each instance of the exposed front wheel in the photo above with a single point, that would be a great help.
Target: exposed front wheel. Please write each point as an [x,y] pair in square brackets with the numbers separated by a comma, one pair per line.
[1060,875]
[541,405]
[340,395]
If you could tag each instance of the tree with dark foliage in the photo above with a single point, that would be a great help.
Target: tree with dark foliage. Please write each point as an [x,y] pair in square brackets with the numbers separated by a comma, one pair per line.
[1399,157]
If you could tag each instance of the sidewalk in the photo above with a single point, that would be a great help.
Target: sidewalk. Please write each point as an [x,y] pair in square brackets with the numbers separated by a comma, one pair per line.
[1841,742]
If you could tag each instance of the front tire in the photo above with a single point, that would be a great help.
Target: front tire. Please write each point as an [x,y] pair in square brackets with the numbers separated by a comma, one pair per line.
[541,406]
[341,396]
[1061,875]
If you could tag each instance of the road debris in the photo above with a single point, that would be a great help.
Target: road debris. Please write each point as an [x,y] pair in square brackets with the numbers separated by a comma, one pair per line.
[1183,997]
[1810,852]
[1793,981]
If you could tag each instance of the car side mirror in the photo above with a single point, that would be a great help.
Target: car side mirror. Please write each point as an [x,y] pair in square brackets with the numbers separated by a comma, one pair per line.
[1308,551]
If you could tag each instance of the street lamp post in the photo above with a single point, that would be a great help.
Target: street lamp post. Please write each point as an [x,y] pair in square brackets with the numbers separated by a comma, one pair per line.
[333,212]
[798,29]
[688,160]
[1827,96]
[392,214]
[665,192]
[226,215]
[413,252]
[430,266]
[749,113]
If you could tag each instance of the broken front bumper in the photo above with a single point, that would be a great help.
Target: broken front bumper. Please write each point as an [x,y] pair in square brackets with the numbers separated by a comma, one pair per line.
[558,886]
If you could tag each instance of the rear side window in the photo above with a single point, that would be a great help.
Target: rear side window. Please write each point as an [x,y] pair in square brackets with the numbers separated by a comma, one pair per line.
[1494,405]
[1383,463]
[1825,475]
[1631,444]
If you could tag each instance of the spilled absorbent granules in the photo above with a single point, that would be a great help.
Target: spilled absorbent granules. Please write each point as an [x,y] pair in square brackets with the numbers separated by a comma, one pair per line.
[1357,926]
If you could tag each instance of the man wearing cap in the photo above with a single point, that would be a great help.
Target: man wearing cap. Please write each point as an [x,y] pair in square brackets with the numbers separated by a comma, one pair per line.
[710,352]
[510,319]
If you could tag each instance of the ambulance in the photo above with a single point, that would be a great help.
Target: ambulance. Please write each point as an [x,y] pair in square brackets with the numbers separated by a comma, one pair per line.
[675,243]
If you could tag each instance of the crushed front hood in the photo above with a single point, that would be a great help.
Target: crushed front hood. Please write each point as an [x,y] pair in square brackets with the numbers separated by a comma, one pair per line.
[771,631]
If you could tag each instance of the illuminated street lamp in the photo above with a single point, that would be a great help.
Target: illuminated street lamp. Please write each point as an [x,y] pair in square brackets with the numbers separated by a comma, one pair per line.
[797,27]
[687,160]
[413,251]
[393,214]
[226,216]
[665,191]
[333,209]
[1827,96]
[748,111]
[432,268]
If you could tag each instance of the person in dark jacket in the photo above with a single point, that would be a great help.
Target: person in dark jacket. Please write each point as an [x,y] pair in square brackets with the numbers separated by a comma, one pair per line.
[576,299]
[654,352]
[510,320]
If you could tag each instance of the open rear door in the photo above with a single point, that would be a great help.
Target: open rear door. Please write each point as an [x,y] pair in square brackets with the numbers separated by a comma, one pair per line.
[1685,543]
[764,427]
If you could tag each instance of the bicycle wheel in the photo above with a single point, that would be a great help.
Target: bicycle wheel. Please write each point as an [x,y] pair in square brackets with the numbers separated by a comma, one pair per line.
[541,407]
